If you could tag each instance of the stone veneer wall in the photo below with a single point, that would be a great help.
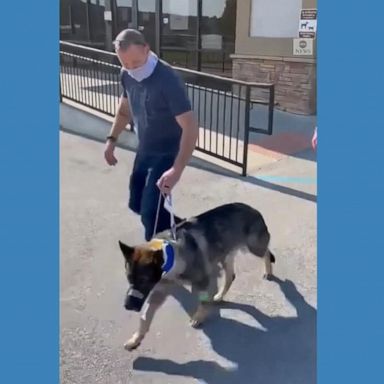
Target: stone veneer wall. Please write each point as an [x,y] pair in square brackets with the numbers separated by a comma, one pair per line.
[295,81]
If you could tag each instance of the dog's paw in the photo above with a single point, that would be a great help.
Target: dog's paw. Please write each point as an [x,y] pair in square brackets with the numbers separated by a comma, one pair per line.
[218,298]
[200,315]
[268,276]
[195,323]
[133,342]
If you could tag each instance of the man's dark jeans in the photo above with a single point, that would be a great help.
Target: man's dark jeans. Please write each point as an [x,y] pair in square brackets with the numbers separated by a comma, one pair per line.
[144,193]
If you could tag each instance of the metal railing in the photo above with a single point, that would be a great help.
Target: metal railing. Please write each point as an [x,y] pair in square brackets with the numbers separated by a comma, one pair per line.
[224,107]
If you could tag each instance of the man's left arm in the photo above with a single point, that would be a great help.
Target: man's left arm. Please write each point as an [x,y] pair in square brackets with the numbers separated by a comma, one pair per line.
[188,139]
[189,134]
[180,107]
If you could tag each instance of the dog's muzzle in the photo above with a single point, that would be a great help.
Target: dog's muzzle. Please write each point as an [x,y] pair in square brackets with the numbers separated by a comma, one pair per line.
[134,300]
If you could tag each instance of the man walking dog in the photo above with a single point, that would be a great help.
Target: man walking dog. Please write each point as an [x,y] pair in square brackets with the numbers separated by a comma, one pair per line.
[155,99]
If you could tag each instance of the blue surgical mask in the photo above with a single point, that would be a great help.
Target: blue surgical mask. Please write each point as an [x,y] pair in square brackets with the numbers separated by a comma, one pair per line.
[146,70]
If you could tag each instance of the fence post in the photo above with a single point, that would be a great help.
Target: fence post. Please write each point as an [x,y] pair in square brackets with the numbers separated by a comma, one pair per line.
[61,95]
[246,128]
[271,108]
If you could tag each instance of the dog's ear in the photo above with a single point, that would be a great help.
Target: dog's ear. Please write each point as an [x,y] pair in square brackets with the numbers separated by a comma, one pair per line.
[126,250]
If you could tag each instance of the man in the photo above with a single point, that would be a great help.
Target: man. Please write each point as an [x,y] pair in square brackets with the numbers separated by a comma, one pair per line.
[314,139]
[155,99]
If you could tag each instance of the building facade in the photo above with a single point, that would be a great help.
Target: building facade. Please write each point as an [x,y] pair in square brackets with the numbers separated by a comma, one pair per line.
[266,31]
[246,39]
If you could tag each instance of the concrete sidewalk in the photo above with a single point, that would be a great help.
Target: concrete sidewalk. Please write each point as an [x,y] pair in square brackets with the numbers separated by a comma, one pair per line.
[266,333]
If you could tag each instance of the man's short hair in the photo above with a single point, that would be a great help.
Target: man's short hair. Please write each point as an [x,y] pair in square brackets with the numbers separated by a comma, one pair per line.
[129,37]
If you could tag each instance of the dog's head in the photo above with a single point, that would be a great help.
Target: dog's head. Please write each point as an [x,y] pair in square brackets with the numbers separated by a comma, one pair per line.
[143,265]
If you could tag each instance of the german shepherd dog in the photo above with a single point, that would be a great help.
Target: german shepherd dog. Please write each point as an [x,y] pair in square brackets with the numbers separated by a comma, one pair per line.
[205,245]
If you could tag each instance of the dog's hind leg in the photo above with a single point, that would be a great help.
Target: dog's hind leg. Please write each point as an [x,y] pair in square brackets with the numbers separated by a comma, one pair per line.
[202,288]
[229,277]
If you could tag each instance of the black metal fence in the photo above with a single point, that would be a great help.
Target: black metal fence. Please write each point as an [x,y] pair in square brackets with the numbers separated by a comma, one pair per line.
[225,108]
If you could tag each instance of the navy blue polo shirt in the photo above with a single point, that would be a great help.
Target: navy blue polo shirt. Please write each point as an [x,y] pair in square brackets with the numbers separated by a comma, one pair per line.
[154,103]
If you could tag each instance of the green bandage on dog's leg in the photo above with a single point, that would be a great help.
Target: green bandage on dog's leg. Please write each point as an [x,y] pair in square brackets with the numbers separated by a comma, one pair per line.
[204,297]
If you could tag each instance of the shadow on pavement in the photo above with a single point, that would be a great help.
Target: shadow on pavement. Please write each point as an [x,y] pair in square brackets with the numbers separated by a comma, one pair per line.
[284,353]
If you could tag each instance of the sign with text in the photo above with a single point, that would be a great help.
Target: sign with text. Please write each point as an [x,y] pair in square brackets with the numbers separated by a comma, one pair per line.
[212,42]
[108,16]
[303,47]
[308,23]
[178,22]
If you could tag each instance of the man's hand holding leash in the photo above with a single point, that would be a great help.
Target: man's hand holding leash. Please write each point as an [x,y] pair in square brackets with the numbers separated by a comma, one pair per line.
[314,139]
[168,180]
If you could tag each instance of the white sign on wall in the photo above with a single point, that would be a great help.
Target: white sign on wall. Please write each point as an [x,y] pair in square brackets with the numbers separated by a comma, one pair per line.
[178,22]
[275,18]
[303,47]
[308,23]
[108,16]
[212,42]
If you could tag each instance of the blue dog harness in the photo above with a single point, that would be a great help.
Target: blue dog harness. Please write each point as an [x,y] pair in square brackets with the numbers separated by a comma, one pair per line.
[168,253]
[169,257]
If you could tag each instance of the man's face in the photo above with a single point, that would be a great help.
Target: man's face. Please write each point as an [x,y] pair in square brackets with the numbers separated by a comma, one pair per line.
[133,56]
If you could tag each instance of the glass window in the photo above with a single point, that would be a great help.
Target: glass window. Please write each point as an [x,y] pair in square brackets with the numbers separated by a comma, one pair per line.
[218,31]
[146,20]
[82,22]
[79,18]
[65,20]
[97,36]
[179,32]
[122,15]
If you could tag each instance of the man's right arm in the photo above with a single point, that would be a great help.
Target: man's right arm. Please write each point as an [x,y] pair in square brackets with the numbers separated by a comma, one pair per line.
[122,118]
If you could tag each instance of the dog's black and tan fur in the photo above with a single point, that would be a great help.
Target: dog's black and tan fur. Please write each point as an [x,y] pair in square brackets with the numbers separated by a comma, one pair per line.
[204,243]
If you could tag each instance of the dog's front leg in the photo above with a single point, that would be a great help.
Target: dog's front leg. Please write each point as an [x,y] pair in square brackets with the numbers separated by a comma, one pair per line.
[153,303]
[268,258]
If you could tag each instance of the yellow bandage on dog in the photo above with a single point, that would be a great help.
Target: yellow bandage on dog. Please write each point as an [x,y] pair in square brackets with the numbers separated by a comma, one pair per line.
[156,244]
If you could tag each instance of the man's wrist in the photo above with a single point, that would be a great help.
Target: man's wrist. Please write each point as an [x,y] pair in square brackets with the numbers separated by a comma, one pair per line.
[111,139]
[178,168]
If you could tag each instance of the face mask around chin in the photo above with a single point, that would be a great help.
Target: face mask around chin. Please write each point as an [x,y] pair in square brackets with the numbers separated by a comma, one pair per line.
[141,73]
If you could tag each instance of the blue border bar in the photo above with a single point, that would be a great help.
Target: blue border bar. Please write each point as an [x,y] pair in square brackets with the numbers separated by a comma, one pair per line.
[351,193]
[29,198]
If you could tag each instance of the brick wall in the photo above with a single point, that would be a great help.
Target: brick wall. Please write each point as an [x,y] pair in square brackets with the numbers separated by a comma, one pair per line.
[295,82]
